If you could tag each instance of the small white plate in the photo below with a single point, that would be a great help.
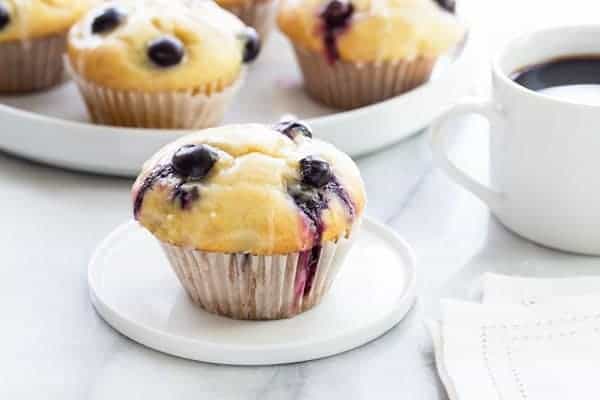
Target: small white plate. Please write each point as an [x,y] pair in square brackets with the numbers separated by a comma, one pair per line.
[53,127]
[134,290]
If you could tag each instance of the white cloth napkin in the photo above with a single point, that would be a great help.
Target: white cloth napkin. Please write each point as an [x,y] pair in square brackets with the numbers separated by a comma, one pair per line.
[530,339]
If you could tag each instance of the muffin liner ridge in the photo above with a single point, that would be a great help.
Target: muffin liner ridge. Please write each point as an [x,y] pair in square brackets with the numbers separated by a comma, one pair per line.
[259,14]
[32,64]
[177,109]
[248,287]
[348,85]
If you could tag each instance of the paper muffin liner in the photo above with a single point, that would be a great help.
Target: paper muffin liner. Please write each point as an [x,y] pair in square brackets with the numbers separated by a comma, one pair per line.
[244,286]
[182,109]
[259,14]
[348,85]
[30,65]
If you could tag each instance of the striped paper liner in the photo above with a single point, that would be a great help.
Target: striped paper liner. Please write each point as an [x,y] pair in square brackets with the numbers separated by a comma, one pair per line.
[31,65]
[348,85]
[244,286]
[178,109]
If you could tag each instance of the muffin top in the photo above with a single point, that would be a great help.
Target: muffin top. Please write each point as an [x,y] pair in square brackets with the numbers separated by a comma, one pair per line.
[31,19]
[159,45]
[371,30]
[249,188]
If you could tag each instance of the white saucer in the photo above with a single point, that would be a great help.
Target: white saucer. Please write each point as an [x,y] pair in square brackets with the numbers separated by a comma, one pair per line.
[135,291]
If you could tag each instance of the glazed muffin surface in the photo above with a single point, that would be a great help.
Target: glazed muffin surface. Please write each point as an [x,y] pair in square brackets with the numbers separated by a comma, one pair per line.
[156,46]
[250,188]
[371,30]
[31,19]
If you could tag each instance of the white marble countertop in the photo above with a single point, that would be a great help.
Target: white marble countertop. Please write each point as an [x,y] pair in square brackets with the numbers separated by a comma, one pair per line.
[54,346]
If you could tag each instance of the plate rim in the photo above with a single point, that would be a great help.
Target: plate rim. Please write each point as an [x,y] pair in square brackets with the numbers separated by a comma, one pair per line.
[121,151]
[172,344]
[90,127]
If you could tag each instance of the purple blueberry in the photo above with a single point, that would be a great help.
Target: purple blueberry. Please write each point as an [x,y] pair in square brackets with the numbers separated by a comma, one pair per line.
[194,160]
[292,128]
[315,172]
[252,44]
[108,20]
[448,5]
[166,51]
[4,17]
[337,13]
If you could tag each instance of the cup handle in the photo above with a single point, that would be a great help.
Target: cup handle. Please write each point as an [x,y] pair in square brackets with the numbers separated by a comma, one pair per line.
[439,147]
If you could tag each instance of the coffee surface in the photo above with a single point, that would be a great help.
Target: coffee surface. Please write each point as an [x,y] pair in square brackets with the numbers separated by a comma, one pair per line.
[564,71]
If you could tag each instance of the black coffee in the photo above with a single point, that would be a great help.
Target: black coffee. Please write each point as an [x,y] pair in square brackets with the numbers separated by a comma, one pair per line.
[564,71]
[575,79]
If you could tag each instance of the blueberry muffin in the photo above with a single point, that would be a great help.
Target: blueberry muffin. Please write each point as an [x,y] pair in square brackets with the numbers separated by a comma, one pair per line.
[33,40]
[357,52]
[259,14]
[156,64]
[255,220]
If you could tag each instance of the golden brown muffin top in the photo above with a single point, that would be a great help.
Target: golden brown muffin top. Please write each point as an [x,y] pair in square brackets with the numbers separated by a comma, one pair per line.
[31,19]
[159,45]
[370,30]
[249,188]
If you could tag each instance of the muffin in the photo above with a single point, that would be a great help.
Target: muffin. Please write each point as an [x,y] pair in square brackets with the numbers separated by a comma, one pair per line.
[259,14]
[255,220]
[357,52]
[156,64]
[33,40]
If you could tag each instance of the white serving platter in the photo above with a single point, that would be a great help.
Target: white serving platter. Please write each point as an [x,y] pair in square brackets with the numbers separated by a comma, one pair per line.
[52,127]
[135,291]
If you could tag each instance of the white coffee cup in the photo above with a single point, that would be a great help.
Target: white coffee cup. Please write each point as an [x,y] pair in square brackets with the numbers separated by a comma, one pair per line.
[544,151]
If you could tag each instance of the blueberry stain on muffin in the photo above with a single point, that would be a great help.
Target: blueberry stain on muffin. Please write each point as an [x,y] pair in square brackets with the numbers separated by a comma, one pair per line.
[336,17]
[166,51]
[307,269]
[191,162]
[159,172]
[185,196]
[311,194]
[108,20]
[252,44]
[4,17]
[293,128]
[448,5]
